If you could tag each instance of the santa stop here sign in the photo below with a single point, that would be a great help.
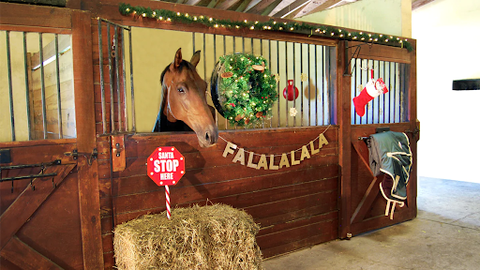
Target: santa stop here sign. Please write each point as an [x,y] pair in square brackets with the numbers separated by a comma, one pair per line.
[165,166]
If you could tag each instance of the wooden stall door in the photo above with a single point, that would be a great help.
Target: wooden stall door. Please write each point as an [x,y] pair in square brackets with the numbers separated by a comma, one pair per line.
[363,206]
[53,222]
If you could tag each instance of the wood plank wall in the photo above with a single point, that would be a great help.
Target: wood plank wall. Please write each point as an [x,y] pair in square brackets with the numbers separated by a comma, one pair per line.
[296,207]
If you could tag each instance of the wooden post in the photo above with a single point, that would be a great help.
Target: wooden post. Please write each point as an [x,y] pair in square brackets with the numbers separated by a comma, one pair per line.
[86,141]
[344,121]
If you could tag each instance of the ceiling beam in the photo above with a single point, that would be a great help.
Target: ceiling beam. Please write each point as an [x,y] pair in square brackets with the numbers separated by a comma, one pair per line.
[271,7]
[260,6]
[243,5]
[295,7]
[212,4]
[227,4]
[192,2]
[419,3]
[319,6]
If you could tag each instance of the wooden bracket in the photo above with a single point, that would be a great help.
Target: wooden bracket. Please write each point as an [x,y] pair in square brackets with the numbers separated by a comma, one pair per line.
[119,159]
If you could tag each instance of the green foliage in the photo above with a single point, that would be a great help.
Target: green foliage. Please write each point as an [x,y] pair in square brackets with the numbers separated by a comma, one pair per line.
[270,25]
[246,94]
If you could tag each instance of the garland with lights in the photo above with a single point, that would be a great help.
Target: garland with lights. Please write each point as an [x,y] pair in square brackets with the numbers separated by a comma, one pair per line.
[272,25]
[243,89]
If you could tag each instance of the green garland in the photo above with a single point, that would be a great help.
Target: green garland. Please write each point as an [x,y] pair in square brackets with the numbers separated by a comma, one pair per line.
[246,89]
[271,25]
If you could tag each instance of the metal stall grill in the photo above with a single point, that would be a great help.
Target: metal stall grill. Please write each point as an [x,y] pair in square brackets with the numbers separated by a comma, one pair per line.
[308,66]
[112,50]
[391,107]
[311,67]
[37,84]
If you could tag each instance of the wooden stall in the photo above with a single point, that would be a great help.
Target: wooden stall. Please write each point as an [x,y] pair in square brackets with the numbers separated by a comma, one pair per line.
[100,175]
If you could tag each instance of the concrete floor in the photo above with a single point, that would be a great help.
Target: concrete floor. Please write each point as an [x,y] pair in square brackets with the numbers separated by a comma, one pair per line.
[445,235]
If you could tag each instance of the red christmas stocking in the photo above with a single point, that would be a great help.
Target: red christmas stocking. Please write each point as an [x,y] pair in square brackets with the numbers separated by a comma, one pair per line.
[372,90]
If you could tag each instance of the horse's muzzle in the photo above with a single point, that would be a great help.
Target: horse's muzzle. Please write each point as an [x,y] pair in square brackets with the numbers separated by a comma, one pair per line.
[208,137]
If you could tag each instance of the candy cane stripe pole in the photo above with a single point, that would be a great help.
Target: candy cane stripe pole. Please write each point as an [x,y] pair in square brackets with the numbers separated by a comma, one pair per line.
[167,197]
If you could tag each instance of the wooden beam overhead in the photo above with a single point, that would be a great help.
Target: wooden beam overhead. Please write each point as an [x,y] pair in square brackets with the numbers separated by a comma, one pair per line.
[192,2]
[243,6]
[295,7]
[260,6]
[280,6]
[212,4]
[227,4]
[317,7]
[418,3]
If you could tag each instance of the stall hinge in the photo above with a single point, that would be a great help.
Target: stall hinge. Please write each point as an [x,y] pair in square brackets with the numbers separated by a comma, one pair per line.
[90,156]
[119,159]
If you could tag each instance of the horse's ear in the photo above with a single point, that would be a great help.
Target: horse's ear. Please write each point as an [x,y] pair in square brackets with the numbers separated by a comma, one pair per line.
[195,58]
[178,58]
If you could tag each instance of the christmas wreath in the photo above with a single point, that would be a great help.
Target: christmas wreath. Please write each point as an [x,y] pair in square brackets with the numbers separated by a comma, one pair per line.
[243,89]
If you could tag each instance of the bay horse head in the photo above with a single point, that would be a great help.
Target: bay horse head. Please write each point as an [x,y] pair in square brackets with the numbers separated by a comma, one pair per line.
[184,101]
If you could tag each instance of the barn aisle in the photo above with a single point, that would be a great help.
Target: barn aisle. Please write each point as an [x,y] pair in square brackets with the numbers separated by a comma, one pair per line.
[445,235]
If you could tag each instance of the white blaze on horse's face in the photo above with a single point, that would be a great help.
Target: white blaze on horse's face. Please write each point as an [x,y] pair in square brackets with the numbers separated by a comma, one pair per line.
[187,101]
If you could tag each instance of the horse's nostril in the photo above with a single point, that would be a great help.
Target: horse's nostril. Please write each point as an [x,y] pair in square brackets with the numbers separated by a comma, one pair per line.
[207,137]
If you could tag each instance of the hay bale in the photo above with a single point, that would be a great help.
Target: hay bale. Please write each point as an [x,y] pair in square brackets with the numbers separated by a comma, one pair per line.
[208,237]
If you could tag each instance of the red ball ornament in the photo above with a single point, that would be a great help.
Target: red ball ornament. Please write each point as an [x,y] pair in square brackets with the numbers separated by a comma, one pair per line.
[292,92]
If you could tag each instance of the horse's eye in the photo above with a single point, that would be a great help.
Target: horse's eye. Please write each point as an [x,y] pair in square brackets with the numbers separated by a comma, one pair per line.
[181,90]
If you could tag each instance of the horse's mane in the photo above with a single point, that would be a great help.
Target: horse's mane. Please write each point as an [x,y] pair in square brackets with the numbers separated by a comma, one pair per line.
[162,123]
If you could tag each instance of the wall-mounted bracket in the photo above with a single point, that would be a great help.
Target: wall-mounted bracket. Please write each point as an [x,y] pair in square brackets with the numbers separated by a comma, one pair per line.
[355,54]
[31,176]
[119,160]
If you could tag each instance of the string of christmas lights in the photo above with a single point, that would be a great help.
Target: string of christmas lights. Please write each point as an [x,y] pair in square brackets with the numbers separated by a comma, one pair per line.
[270,25]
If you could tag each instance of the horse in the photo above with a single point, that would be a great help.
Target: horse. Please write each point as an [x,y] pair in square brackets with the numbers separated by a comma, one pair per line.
[184,105]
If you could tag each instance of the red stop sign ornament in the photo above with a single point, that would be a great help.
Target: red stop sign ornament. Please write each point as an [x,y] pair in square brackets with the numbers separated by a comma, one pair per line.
[165,166]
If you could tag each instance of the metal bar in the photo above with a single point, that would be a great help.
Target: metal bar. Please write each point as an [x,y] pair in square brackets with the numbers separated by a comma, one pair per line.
[115,24]
[324,75]
[384,98]
[42,82]
[243,44]
[301,84]
[215,59]
[251,44]
[131,79]
[361,83]
[270,67]
[390,93]
[294,82]
[59,94]
[110,68]
[102,77]
[204,57]
[278,84]
[13,167]
[122,37]
[117,79]
[27,86]
[193,41]
[354,94]
[10,86]
[27,177]
[395,93]
[286,78]
[234,41]
[261,47]
[316,87]
[224,53]
[309,92]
